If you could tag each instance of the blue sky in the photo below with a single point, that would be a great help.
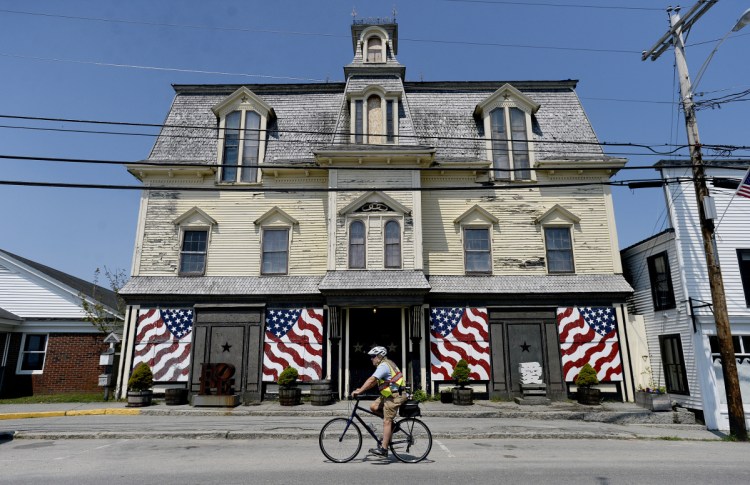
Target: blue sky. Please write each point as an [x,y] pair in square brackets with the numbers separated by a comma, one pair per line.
[59,63]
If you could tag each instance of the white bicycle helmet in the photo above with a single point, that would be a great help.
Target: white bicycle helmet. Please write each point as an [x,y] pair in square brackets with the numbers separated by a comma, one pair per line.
[379,351]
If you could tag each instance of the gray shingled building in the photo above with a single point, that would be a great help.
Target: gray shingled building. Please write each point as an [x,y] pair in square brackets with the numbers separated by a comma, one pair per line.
[299,224]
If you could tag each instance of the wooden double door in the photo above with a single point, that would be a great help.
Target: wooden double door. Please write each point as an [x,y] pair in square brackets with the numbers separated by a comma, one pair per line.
[524,336]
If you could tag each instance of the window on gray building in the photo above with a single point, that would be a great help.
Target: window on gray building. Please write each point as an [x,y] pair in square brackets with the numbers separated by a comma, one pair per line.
[675,374]
[743,255]
[661,281]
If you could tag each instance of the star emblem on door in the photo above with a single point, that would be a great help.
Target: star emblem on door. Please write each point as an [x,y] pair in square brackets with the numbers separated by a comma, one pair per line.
[525,347]
[226,347]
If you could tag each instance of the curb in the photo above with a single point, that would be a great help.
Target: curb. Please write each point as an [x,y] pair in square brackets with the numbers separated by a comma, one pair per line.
[74,412]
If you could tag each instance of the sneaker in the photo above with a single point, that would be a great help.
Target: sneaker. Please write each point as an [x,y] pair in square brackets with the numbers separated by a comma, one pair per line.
[379,451]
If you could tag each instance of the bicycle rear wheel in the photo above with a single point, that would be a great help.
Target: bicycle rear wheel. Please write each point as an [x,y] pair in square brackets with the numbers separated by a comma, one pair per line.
[340,440]
[411,441]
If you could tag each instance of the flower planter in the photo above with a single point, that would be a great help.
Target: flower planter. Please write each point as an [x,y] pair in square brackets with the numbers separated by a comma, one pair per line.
[463,397]
[653,401]
[137,399]
[590,396]
[446,397]
[290,396]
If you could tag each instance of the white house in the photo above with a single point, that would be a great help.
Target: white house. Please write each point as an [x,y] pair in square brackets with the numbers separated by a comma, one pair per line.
[669,275]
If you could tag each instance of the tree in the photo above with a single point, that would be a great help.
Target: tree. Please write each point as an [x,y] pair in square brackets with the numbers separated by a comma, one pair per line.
[97,313]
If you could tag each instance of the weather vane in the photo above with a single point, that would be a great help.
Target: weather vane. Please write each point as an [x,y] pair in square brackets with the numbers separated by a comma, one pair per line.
[354,12]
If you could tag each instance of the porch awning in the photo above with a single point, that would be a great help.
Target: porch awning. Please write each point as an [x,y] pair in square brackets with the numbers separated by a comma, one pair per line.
[222,285]
[599,284]
[363,280]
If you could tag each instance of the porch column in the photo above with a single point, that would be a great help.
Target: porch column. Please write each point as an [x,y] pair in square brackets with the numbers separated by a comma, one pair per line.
[334,335]
[415,331]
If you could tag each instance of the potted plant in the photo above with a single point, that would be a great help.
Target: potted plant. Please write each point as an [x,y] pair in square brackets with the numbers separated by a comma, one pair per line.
[289,393]
[584,380]
[652,397]
[462,395]
[139,386]
[446,396]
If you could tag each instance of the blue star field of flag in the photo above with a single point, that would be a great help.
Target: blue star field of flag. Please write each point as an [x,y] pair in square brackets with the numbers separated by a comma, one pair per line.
[279,322]
[443,322]
[179,321]
[602,320]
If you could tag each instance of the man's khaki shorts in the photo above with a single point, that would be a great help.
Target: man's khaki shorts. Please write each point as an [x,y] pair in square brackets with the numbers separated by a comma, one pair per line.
[389,405]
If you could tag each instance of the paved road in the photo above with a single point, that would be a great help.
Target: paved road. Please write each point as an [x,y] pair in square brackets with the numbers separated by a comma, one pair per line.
[307,427]
[517,461]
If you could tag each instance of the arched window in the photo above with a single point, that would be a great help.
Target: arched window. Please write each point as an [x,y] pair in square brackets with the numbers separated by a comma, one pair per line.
[392,245]
[357,245]
[375,49]
[374,119]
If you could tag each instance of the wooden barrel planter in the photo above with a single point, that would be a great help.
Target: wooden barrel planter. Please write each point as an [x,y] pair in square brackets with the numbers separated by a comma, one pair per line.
[463,397]
[320,393]
[138,399]
[589,396]
[290,396]
[175,396]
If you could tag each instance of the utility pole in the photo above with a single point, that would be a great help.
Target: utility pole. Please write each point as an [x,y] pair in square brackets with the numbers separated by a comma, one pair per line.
[737,426]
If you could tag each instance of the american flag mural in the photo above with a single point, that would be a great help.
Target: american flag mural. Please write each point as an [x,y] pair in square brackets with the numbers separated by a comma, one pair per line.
[589,335]
[455,334]
[294,337]
[743,190]
[162,340]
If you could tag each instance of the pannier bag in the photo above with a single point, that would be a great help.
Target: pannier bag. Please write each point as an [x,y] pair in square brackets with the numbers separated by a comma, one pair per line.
[409,409]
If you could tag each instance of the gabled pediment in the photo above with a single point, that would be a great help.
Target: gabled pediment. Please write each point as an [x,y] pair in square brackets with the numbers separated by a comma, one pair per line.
[558,214]
[476,215]
[375,201]
[194,217]
[507,95]
[276,216]
[243,98]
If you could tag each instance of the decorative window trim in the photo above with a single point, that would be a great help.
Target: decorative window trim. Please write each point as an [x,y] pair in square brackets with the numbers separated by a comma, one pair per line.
[569,228]
[375,197]
[474,226]
[399,223]
[367,35]
[194,219]
[242,100]
[276,227]
[364,223]
[358,100]
[477,214]
[22,352]
[505,98]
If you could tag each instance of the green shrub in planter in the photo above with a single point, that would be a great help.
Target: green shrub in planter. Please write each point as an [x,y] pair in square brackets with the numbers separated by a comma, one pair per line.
[288,377]
[587,377]
[142,379]
[461,373]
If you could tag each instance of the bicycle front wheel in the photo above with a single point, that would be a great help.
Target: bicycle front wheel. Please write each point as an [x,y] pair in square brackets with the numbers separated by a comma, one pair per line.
[411,441]
[340,440]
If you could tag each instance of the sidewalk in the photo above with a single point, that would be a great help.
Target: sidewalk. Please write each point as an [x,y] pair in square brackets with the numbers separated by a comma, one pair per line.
[484,419]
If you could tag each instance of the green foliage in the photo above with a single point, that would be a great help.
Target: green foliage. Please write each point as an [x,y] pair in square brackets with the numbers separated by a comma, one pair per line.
[288,376]
[587,377]
[461,373]
[420,396]
[101,317]
[142,379]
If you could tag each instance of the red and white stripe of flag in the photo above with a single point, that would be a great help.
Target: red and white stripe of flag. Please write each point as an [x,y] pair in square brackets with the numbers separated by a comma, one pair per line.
[168,357]
[580,344]
[469,340]
[301,348]
[744,188]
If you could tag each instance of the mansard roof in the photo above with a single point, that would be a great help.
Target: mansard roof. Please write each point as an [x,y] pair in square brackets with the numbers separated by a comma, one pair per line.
[431,114]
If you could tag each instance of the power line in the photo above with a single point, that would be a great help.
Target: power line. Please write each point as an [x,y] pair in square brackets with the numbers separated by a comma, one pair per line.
[488,186]
[556,5]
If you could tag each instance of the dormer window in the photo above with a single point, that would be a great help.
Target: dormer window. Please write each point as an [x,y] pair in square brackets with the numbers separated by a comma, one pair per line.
[375,49]
[374,117]
[506,115]
[243,118]
[240,157]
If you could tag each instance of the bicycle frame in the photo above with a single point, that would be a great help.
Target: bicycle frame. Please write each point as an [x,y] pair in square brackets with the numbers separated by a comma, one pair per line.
[361,421]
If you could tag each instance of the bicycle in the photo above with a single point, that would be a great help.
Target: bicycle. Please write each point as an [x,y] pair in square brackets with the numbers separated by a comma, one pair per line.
[341,439]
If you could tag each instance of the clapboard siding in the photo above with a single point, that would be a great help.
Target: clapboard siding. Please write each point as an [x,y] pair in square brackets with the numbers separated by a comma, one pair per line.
[517,240]
[31,297]
[234,247]
[667,322]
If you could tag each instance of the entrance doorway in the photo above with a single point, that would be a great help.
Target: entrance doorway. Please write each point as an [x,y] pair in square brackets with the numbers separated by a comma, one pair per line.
[368,329]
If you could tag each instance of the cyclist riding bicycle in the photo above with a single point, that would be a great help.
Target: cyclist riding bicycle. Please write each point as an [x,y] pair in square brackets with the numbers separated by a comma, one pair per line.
[390,382]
